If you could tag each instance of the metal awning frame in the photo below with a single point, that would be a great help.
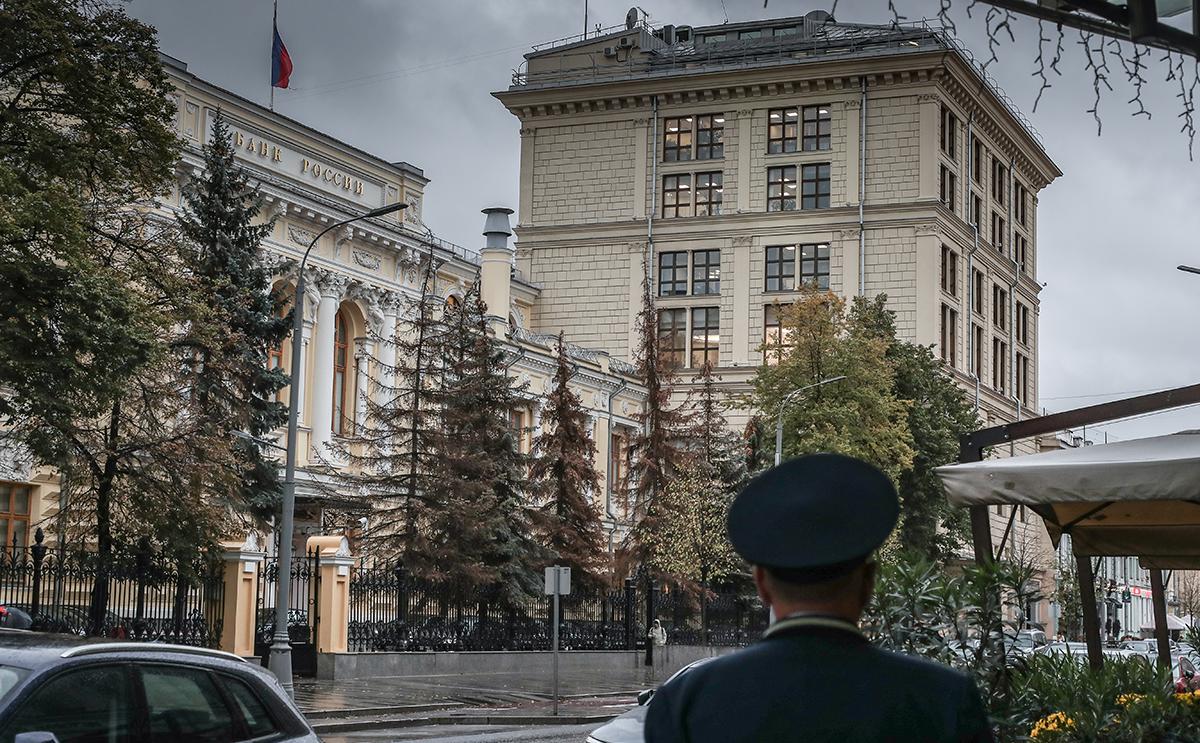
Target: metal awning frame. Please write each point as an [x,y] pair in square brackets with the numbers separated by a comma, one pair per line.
[1137,21]
[971,449]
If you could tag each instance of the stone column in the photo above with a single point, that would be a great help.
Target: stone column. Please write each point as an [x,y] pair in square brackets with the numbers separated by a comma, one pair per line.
[242,560]
[331,286]
[363,348]
[334,597]
[389,304]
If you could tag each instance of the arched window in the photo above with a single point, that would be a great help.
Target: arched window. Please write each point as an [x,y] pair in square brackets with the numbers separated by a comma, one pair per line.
[341,357]
[275,359]
[452,301]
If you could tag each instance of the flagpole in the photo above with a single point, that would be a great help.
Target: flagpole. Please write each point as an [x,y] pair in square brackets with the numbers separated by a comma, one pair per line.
[274,25]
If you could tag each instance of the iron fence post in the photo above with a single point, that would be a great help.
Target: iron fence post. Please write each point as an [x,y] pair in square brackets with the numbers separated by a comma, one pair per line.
[39,554]
[630,616]
[143,565]
[401,596]
[651,601]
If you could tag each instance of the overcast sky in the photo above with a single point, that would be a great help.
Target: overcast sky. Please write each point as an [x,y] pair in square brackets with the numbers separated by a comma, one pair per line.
[410,80]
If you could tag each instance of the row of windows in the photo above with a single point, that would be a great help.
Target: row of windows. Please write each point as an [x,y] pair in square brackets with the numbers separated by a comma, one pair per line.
[1000,296]
[756,33]
[698,272]
[677,347]
[975,364]
[702,136]
[702,194]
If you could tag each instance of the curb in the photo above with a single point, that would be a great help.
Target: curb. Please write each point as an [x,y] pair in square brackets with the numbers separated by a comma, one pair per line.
[350,726]
[399,709]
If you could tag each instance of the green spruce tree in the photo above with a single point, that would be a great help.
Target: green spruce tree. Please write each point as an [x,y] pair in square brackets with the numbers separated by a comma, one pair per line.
[482,530]
[235,391]
[563,482]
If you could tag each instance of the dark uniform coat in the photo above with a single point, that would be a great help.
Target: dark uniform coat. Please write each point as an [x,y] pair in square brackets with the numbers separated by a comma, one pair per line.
[817,682]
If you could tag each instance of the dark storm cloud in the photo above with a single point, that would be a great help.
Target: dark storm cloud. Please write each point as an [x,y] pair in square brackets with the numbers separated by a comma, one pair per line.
[411,80]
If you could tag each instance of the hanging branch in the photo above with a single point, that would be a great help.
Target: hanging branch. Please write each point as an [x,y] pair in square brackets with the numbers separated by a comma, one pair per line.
[896,17]
[1058,52]
[1187,99]
[1002,20]
[1099,76]
[1133,72]
[943,15]
[1041,63]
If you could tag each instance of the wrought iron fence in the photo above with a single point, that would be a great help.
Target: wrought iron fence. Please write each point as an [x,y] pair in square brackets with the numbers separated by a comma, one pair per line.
[303,614]
[393,611]
[134,594]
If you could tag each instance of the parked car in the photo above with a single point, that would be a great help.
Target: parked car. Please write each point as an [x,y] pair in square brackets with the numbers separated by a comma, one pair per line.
[63,689]
[627,728]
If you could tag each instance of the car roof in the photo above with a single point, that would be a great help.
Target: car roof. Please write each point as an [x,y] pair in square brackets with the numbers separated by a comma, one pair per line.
[35,650]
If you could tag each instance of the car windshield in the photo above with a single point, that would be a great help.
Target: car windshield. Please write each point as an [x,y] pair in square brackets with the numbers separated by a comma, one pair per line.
[10,678]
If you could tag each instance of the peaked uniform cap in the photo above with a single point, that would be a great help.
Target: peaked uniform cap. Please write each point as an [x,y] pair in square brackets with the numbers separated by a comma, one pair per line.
[814,516]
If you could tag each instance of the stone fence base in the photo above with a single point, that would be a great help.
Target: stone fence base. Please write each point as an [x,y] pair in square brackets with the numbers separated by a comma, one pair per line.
[621,663]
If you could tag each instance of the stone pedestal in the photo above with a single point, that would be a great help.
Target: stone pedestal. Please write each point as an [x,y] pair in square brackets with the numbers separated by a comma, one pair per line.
[242,561]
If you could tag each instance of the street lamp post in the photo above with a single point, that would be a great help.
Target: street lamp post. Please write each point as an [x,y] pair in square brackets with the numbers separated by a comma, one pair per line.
[280,661]
[1189,269]
[779,421]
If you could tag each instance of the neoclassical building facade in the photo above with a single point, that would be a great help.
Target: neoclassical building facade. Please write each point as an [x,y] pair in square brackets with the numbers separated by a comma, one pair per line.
[361,280]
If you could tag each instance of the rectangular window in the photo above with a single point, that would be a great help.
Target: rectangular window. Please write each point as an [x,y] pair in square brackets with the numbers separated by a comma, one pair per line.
[814,186]
[977,158]
[949,271]
[1021,251]
[677,195]
[781,130]
[999,307]
[672,274]
[977,292]
[781,189]
[814,265]
[976,211]
[616,461]
[999,365]
[773,340]
[708,194]
[1022,324]
[977,350]
[677,139]
[710,136]
[517,423]
[949,335]
[999,180]
[15,501]
[672,336]
[949,183]
[1023,378]
[998,231]
[755,34]
[949,131]
[706,272]
[817,125]
[781,268]
[1020,199]
[706,336]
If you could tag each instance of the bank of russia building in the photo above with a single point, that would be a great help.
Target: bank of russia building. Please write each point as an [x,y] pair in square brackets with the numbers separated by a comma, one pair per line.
[358,281]
[743,153]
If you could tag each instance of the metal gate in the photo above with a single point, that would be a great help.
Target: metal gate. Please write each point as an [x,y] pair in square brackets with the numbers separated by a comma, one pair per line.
[303,614]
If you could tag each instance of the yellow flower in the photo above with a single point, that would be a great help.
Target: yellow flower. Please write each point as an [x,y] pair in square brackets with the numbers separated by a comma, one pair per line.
[1127,699]
[1052,723]
[1188,697]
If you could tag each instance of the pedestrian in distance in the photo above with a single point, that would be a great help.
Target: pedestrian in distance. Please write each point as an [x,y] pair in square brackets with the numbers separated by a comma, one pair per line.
[810,528]
[657,634]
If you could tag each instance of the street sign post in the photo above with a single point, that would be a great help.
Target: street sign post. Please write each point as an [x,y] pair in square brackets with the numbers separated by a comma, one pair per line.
[558,583]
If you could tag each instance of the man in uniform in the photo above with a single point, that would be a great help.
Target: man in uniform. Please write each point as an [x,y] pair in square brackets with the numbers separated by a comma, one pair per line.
[809,528]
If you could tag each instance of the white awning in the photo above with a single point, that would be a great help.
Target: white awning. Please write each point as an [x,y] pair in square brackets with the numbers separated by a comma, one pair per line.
[1139,497]
[1173,623]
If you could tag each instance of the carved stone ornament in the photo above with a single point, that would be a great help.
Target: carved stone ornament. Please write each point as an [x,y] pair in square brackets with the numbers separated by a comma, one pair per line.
[366,260]
[312,294]
[412,215]
[742,241]
[16,462]
[624,407]
[331,284]
[926,229]
[848,234]
[299,235]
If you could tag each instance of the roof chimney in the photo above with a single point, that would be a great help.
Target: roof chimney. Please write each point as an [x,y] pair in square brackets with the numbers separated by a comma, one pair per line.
[495,271]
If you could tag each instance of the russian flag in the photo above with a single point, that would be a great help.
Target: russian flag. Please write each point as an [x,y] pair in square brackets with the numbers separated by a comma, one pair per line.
[281,62]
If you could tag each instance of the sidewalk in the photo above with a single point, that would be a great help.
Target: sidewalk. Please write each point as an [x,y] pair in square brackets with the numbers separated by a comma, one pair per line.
[418,694]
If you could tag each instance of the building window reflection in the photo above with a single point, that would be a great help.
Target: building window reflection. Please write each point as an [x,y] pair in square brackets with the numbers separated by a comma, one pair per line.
[341,358]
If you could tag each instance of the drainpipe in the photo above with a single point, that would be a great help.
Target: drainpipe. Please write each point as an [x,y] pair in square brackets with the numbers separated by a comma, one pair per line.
[862,189]
[608,470]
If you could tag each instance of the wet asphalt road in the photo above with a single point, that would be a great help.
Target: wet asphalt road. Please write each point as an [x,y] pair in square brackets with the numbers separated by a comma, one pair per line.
[470,734]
